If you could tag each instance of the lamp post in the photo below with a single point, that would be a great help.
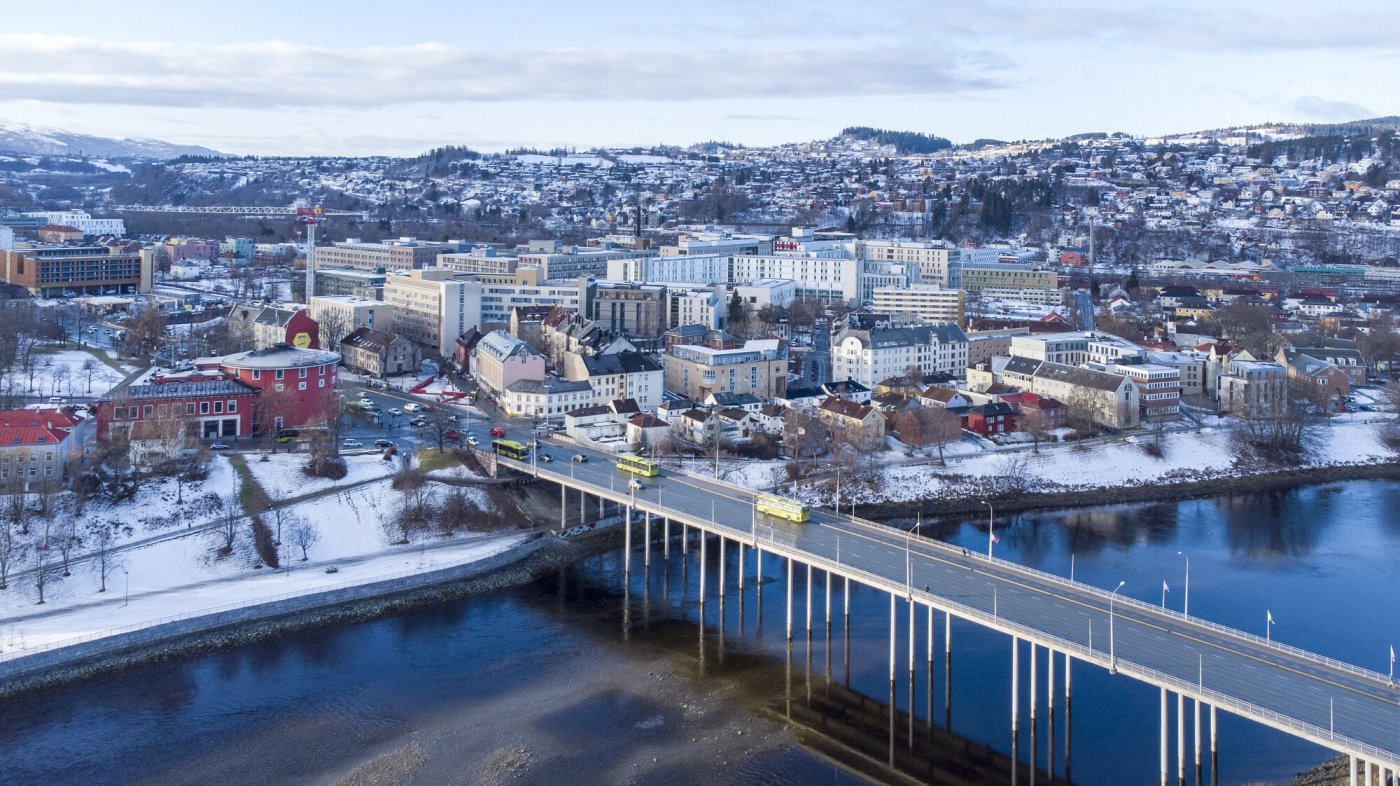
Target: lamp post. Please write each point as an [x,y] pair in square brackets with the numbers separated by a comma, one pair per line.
[1186,602]
[1112,659]
[990,537]
[126,587]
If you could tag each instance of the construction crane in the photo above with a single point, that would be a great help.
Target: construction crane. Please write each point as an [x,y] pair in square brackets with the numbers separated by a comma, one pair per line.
[310,216]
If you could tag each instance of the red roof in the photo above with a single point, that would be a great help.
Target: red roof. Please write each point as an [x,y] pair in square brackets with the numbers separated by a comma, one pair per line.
[56,418]
[30,435]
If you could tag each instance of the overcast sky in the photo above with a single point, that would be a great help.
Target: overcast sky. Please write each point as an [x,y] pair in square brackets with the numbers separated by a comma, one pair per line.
[352,77]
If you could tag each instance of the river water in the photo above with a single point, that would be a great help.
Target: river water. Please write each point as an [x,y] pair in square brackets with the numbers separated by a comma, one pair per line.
[578,678]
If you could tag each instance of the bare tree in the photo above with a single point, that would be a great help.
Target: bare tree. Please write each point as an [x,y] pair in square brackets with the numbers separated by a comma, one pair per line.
[944,427]
[1015,473]
[1082,413]
[58,378]
[1283,435]
[103,556]
[65,539]
[11,549]
[145,333]
[40,542]
[441,421]
[1034,423]
[90,367]
[305,535]
[228,524]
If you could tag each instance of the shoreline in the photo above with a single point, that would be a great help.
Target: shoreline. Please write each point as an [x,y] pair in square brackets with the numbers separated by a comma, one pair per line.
[1055,499]
[525,562]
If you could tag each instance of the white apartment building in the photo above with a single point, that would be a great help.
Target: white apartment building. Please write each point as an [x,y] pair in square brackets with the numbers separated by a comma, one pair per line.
[872,356]
[1159,388]
[928,302]
[433,307]
[757,294]
[528,288]
[353,313]
[936,262]
[406,253]
[710,242]
[827,278]
[1077,348]
[484,260]
[1041,297]
[706,307]
[687,269]
[82,220]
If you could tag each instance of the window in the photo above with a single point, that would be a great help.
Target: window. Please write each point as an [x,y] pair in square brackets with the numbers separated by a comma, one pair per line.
[204,407]
[301,386]
[232,406]
[218,407]
[320,383]
[189,408]
[257,374]
[279,373]
[301,373]
[277,387]
[146,411]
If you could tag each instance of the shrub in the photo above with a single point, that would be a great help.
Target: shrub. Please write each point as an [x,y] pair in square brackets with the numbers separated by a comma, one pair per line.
[262,541]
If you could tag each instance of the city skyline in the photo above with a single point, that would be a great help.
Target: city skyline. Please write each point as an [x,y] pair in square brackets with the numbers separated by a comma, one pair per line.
[358,81]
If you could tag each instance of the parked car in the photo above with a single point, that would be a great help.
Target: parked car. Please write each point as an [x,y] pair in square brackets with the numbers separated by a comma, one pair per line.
[411,407]
[383,443]
[351,442]
[452,433]
[579,458]
[497,431]
[218,446]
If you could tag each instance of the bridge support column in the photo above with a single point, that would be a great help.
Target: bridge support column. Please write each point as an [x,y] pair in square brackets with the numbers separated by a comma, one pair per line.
[912,626]
[627,541]
[1015,685]
[1366,764]
[809,602]
[666,538]
[1164,737]
[685,540]
[702,568]
[893,614]
[1214,751]
[1068,733]
[1196,729]
[1033,686]
[1050,684]
[646,542]
[1351,771]
[721,566]
[601,510]
[846,592]
[826,590]
[563,504]
[929,648]
[582,506]
[1181,739]
[789,600]
[741,567]
[947,634]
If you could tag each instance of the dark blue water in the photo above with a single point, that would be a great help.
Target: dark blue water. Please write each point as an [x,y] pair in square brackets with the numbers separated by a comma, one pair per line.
[308,706]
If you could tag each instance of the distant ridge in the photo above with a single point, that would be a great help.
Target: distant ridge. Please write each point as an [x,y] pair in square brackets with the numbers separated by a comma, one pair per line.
[35,140]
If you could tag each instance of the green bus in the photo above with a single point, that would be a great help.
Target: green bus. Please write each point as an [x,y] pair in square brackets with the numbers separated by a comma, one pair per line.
[782,507]
[638,465]
[510,449]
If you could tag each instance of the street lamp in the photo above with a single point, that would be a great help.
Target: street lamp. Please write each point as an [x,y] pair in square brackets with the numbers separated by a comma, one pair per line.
[990,537]
[1186,602]
[126,587]
[1112,660]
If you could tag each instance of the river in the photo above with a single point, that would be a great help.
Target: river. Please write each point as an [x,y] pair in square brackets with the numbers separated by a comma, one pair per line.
[574,679]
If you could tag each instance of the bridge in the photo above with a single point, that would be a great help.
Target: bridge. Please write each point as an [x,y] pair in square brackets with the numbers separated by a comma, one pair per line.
[1351,710]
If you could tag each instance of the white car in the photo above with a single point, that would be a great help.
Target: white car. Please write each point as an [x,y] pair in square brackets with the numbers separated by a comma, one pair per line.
[351,443]
[472,440]
[411,407]
[635,485]
[395,412]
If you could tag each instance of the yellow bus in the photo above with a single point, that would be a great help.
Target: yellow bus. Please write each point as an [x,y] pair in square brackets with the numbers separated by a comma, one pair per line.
[638,465]
[510,449]
[782,507]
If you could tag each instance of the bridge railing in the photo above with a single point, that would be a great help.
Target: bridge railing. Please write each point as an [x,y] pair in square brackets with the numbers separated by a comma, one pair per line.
[1089,655]
[1125,601]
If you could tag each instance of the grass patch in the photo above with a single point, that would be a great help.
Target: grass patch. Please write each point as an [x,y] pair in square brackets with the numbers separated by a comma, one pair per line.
[251,494]
[105,359]
[431,460]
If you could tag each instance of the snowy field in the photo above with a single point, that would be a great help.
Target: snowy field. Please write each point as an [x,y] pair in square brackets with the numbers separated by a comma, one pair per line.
[281,475]
[1350,439]
[155,509]
[62,373]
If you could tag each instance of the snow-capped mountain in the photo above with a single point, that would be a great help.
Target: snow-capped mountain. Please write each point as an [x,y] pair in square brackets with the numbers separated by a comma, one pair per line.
[34,140]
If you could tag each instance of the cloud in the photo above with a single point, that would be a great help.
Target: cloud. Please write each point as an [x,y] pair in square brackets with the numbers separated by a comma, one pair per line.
[767,117]
[66,69]
[1322,109]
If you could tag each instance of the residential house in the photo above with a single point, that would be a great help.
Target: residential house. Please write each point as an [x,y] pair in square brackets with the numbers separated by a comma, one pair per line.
[862,425]
[991,419]
[1254,388]
[501,359]
[545,399]
[377,353]
[35,447]
[628,374]
[868,356]
[1312,373]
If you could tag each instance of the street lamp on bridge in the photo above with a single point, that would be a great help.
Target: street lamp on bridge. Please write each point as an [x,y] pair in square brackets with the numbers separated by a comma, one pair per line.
[1186,602]
[990,537]
[1112,660]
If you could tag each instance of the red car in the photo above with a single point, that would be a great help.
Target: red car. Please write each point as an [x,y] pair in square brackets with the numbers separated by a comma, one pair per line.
[498,432]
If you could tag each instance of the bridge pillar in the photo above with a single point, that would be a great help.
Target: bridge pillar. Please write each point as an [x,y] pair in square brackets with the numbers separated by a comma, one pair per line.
[929,646]
[1196,729]
[627,541]
[789,600]
[666,538]
[846,592]
[702,569]
[826,590]
[912,626]
[1351,771]
[1033,686]
[1181,739]
[602,512]
[741,567]
[1214,752]
[563,504]
[646,542]
[1050,684]
[1015,684]
[1366,763]
[721,567]
[893,614]
[1164,737]
[809,601]
[582,500]
[685,539]
[947,634]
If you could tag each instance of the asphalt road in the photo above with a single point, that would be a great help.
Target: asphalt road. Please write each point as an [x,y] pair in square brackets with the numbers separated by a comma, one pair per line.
[1239,666]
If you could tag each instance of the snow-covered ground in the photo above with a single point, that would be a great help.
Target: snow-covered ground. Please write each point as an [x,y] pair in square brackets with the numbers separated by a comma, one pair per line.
[61,373]
[281,475]
[155,509]
[1350,439]
[156,593]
